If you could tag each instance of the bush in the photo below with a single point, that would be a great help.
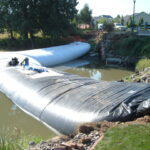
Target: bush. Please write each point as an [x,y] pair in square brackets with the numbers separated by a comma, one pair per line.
[142,64]
[108,27]
[131,46]
[146,50]
[37,42]
[8,142]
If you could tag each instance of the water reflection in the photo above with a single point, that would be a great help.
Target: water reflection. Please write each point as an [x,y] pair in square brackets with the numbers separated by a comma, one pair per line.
[103,73]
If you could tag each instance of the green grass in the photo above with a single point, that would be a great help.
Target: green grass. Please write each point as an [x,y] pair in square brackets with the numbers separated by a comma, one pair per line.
[15,140]
[132,137]
[142,64]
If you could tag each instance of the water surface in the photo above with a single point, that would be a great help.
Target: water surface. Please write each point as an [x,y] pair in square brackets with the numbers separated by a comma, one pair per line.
[107,73]
[11,117]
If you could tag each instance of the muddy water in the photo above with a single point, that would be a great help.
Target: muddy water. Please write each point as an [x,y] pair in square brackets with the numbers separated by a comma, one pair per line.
[103,73]
[12,117]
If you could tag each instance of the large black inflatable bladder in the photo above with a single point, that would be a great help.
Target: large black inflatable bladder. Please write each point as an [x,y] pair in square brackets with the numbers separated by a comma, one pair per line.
[62,101]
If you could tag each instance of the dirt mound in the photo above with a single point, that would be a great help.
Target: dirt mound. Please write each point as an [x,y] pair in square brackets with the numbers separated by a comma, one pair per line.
[85,137]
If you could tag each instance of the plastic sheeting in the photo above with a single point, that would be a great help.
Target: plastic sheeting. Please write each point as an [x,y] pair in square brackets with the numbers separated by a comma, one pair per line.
[49,56]
[63,101]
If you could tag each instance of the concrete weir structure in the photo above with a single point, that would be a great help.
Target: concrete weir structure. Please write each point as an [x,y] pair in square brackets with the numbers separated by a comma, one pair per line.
[63,101]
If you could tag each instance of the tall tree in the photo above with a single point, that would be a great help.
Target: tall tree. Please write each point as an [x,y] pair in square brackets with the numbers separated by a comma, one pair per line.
[122,20]
[55,16]
[117,19]
[29,16]
[141,21]
[85,15]
[6,17]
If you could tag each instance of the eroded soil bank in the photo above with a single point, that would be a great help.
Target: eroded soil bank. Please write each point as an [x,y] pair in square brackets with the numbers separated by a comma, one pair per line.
[85,138]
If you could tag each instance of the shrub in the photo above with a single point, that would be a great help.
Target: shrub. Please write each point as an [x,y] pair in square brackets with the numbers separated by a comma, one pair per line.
[142,64]
[15,139]
[108,27]
[8,142]
[146,50]
[131,46]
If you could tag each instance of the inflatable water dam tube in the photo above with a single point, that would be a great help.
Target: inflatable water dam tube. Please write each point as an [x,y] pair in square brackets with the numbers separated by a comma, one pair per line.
[49,56]
[63,101]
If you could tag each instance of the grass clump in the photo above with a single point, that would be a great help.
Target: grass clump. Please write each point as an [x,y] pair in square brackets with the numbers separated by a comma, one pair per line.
[142,64]
[15,140]
[131,137]
[9,140]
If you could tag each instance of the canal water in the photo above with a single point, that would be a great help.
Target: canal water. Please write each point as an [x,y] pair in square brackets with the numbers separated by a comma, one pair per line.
[12,117]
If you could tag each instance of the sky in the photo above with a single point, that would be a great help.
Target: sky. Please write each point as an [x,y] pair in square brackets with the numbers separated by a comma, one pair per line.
[115,7]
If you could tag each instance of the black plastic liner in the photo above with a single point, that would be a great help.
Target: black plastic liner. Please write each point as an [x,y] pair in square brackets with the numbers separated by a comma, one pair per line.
[64,101]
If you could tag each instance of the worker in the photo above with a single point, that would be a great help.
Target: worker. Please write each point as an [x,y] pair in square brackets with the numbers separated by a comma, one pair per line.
[25,62]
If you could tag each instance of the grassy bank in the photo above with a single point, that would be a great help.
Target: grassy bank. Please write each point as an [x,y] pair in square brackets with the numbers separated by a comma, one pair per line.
[131,137]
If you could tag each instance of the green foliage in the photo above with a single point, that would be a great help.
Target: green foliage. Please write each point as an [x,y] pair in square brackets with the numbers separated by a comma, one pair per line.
[131,46]
[146,50]
[55,16]
[9,143]
[122,20]
[103,20]
[85,15]
[27,17]
[141,21]
[22,44]
[132,137]
[142,64]
[15,140]
[130,22]
[117,19]
[108,26]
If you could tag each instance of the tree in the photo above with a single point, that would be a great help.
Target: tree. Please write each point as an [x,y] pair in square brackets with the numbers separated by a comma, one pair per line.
[103,20]
[108,26]
[55,16]
[6,17]
[141,21]
[130,22]
[85,15]
[27,17]
[122,20]
[117,19]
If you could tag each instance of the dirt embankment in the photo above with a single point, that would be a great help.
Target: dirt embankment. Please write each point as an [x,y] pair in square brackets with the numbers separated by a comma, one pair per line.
[142,76]
[85,138]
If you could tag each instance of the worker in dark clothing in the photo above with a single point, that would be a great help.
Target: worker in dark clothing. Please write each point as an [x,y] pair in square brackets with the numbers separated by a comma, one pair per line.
[25,62]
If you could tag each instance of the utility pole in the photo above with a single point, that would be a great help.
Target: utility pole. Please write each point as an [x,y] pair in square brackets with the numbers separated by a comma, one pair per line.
[133,21]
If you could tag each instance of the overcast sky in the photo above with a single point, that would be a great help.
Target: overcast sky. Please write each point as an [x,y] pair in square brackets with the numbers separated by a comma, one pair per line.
[115,7]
